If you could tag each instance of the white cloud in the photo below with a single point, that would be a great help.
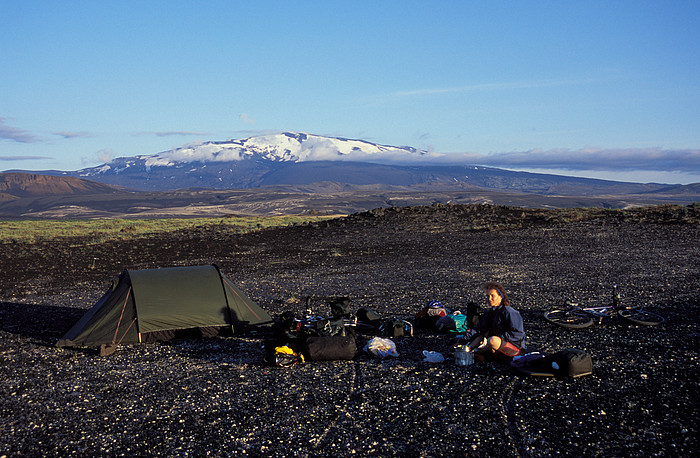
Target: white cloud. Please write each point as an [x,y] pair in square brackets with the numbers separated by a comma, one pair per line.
[69,135]
[506,85]
[659,159]
[246,119]
[102,156]
[15,134]
[24,158]
[179,132]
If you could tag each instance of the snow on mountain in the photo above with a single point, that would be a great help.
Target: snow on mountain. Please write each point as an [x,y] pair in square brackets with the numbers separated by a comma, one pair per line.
[300,159]
[284,147]
[251,162]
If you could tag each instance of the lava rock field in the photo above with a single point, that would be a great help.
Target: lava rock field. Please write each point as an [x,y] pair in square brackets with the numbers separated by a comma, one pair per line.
[215,397]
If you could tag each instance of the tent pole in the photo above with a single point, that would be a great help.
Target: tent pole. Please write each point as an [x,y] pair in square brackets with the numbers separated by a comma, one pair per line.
[127,330]
[239,296]
[228,306]
[114,339]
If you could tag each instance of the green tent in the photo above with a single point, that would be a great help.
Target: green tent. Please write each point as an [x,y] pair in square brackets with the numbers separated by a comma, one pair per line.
[160,304]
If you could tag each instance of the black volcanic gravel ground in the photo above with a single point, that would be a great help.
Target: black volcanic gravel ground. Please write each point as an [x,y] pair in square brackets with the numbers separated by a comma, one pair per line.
[214,397]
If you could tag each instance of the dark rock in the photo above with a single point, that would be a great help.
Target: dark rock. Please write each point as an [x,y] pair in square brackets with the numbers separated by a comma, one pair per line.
[215,397]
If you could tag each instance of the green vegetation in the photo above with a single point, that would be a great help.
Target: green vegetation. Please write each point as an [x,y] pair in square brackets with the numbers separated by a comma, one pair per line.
[475,217]
[100,230]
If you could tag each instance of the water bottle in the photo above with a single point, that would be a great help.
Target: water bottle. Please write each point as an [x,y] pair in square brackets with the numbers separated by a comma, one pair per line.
[616,298]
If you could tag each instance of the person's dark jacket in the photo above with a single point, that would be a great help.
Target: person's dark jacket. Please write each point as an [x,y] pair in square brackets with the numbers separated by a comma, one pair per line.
[502,321]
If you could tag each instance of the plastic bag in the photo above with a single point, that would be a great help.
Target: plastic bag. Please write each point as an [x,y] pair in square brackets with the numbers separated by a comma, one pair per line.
[433,357]
[381,347]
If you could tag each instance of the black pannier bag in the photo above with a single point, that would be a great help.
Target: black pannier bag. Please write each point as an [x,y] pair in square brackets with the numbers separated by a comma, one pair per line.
[369,317]
[396,328]
[573,363]
[473,314]
[330,348]
[570,362]
[335,325]
[340,307]
[328,327]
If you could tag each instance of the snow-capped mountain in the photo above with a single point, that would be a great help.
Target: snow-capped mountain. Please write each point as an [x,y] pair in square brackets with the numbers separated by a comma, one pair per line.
[300,160]
[283,147]
[245,163]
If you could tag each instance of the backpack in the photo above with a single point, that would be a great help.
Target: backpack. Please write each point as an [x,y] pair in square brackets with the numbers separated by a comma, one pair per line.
[428,315]
[570,362]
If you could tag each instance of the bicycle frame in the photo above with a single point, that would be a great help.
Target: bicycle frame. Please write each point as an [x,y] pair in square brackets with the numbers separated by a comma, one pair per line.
[605,311]
[575,316]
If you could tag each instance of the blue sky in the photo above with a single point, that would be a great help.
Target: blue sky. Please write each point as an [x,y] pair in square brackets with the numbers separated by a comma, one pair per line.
[604,89]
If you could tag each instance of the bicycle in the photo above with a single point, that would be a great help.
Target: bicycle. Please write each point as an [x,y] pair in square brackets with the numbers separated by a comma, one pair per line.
[577,317]
[328,326]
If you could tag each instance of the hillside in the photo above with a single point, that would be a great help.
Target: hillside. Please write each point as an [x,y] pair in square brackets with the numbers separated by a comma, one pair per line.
[17,185]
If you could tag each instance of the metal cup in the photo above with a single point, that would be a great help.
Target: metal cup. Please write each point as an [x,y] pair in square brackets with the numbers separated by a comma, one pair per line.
[463,357]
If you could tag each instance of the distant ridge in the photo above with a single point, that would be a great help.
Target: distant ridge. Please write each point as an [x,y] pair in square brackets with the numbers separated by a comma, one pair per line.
[303,160]
[681,189]
[296,173]
[18,185]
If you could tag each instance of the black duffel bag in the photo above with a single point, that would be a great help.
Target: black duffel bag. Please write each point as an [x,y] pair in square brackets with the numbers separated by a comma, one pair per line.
[330,348]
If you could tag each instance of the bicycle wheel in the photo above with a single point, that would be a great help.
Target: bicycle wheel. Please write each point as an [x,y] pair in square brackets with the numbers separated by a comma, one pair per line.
[572,319]
[639,316]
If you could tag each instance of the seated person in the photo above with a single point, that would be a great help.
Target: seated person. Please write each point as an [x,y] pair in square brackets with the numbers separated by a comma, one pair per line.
[500,332]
